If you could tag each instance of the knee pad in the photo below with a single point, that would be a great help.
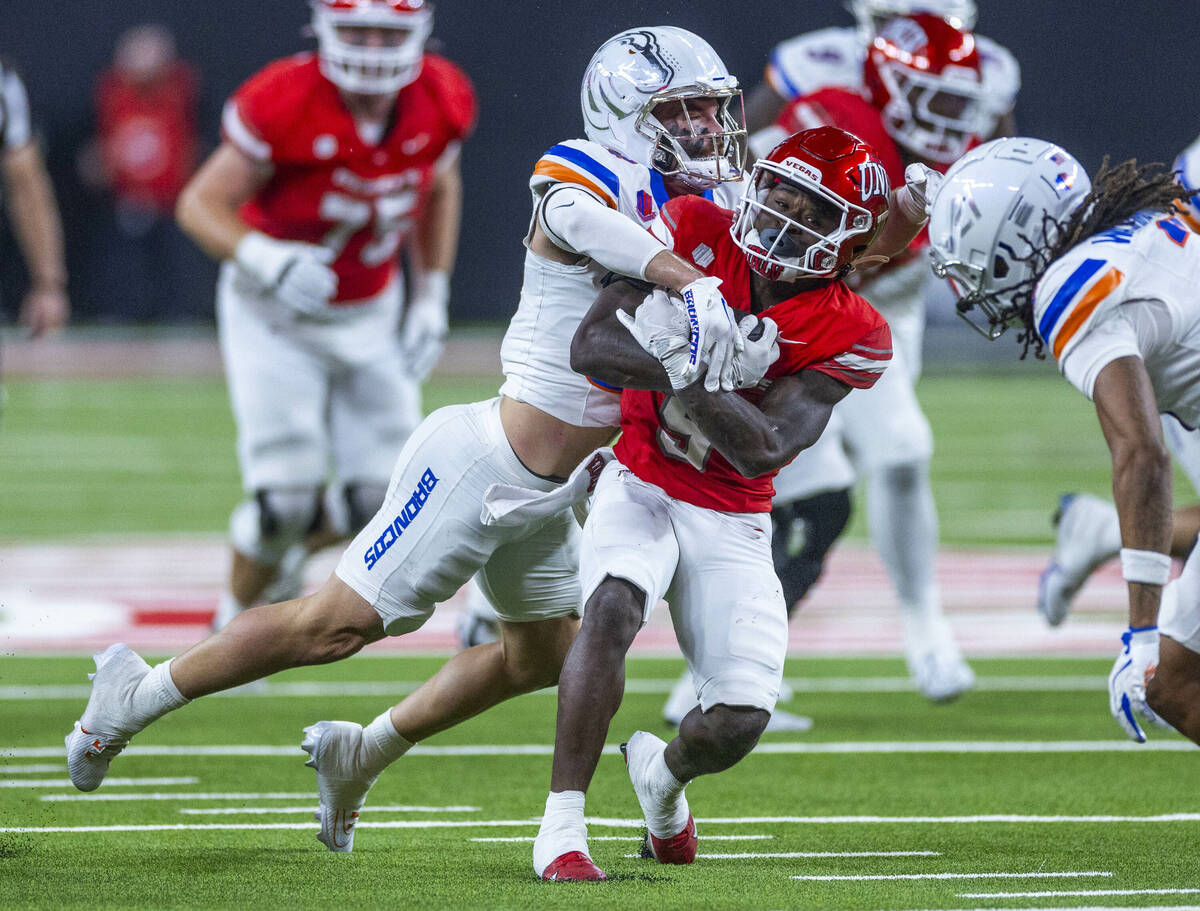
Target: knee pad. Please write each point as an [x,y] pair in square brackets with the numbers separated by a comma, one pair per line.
[363,500]
[264,527]
[804,532]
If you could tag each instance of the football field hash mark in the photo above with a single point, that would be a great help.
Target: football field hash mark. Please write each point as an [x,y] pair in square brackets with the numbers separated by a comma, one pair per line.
[1080,893]
[809,854]
[112,782]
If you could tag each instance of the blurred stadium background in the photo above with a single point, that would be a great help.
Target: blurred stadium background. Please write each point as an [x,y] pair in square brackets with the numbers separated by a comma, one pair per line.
[119,426]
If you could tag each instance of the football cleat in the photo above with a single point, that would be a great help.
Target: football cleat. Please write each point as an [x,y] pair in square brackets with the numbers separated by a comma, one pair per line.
[935,661]
[573,867]
[1089,535]
[679,848]
[334,748]
[108,720]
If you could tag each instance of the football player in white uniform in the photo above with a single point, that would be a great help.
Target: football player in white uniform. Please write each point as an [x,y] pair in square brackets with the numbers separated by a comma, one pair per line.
[1088,530]
[1104,277]
[834,57]
[663,116]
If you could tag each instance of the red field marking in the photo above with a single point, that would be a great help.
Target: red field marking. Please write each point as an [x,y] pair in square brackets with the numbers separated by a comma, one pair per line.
[159,596]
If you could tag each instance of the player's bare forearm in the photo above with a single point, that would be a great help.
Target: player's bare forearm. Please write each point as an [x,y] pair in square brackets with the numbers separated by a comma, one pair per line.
[207,209]
[35,217]
[1142,478]
[603,349]
[756,439]
[897,233]
[437,231]
[669,270]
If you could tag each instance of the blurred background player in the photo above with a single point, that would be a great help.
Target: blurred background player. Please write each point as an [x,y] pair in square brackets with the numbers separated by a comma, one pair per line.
[29,197]
[145,149]
[920,98]
[331,165]
[835,56]
[1088,531]
[664,119]
[1104,276]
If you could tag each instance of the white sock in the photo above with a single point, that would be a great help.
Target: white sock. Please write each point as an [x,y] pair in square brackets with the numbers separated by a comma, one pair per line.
[156,695]
[382,744]
[672,814]
[563,829]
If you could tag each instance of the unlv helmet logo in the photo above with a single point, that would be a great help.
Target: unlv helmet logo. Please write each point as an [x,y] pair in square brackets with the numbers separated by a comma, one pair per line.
[873,180]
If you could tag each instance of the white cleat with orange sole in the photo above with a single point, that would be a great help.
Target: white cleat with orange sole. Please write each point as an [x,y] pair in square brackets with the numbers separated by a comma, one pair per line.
[334,748]
[108,721]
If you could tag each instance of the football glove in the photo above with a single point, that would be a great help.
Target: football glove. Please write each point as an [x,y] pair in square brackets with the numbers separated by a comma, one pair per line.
[297,274]
[921,184]
[661,328]
[1127,682]
[425,324]
[758,354]
[715,337]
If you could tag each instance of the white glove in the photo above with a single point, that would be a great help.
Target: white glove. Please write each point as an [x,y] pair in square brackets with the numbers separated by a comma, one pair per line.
[661,328]
[920,186]
[751,363]
[425,324]
[715,337]
[297,274]
[1127,682]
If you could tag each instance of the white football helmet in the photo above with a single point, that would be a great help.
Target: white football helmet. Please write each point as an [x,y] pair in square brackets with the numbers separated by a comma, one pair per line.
[379,70]
[639,69]
[870,14]
[994,210]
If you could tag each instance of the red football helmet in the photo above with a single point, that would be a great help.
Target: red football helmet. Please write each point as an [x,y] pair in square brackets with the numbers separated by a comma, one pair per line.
[813,204]
[923,76]
[369,66]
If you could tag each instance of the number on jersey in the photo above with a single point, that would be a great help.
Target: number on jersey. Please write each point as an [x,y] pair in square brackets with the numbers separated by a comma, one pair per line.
[679,437]
[350,215]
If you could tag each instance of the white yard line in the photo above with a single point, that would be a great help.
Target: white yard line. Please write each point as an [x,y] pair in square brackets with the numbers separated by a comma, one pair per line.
[1036,874]
[1073,683]
[112,782]
[31,769]
[235,811]
[763,749]
[167,795]
[796,854]
[1080,892]
[707,838]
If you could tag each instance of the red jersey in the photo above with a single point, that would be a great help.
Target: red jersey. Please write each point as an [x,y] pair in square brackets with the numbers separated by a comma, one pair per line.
[847,110]
[148,134]
[829,329]
[331,187]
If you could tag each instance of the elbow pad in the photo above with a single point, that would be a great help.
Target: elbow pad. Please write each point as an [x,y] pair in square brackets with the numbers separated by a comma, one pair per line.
[578,222]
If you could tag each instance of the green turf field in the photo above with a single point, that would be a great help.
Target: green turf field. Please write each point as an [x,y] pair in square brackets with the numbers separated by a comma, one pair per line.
[260,850]
[157,455]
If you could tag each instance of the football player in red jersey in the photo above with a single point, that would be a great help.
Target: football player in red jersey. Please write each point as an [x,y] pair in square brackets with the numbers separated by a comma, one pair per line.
[683,510]
[925,104]
[331,164]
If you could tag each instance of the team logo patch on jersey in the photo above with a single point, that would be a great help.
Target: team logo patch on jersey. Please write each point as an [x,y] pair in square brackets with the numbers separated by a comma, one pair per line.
[400,524]
[325,146]
[703,256]
[645,205]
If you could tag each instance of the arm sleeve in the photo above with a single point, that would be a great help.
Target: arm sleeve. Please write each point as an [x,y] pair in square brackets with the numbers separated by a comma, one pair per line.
[15,128]
[579,222]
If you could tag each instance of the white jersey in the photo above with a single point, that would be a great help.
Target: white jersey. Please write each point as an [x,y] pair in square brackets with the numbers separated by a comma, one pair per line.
[535,354]
[1129,291]
[833,58]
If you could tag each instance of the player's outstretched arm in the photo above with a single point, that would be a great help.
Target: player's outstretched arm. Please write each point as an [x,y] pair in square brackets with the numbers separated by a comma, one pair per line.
[907,213]
[756,439]
[207,210]
[1129,418]
[38,230]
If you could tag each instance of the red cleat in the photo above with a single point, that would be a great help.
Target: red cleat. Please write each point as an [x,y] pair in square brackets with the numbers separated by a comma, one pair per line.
[678,849]
[577,867]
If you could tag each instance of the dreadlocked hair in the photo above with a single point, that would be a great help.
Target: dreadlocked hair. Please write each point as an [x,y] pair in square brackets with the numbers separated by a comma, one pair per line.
[1118,192]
